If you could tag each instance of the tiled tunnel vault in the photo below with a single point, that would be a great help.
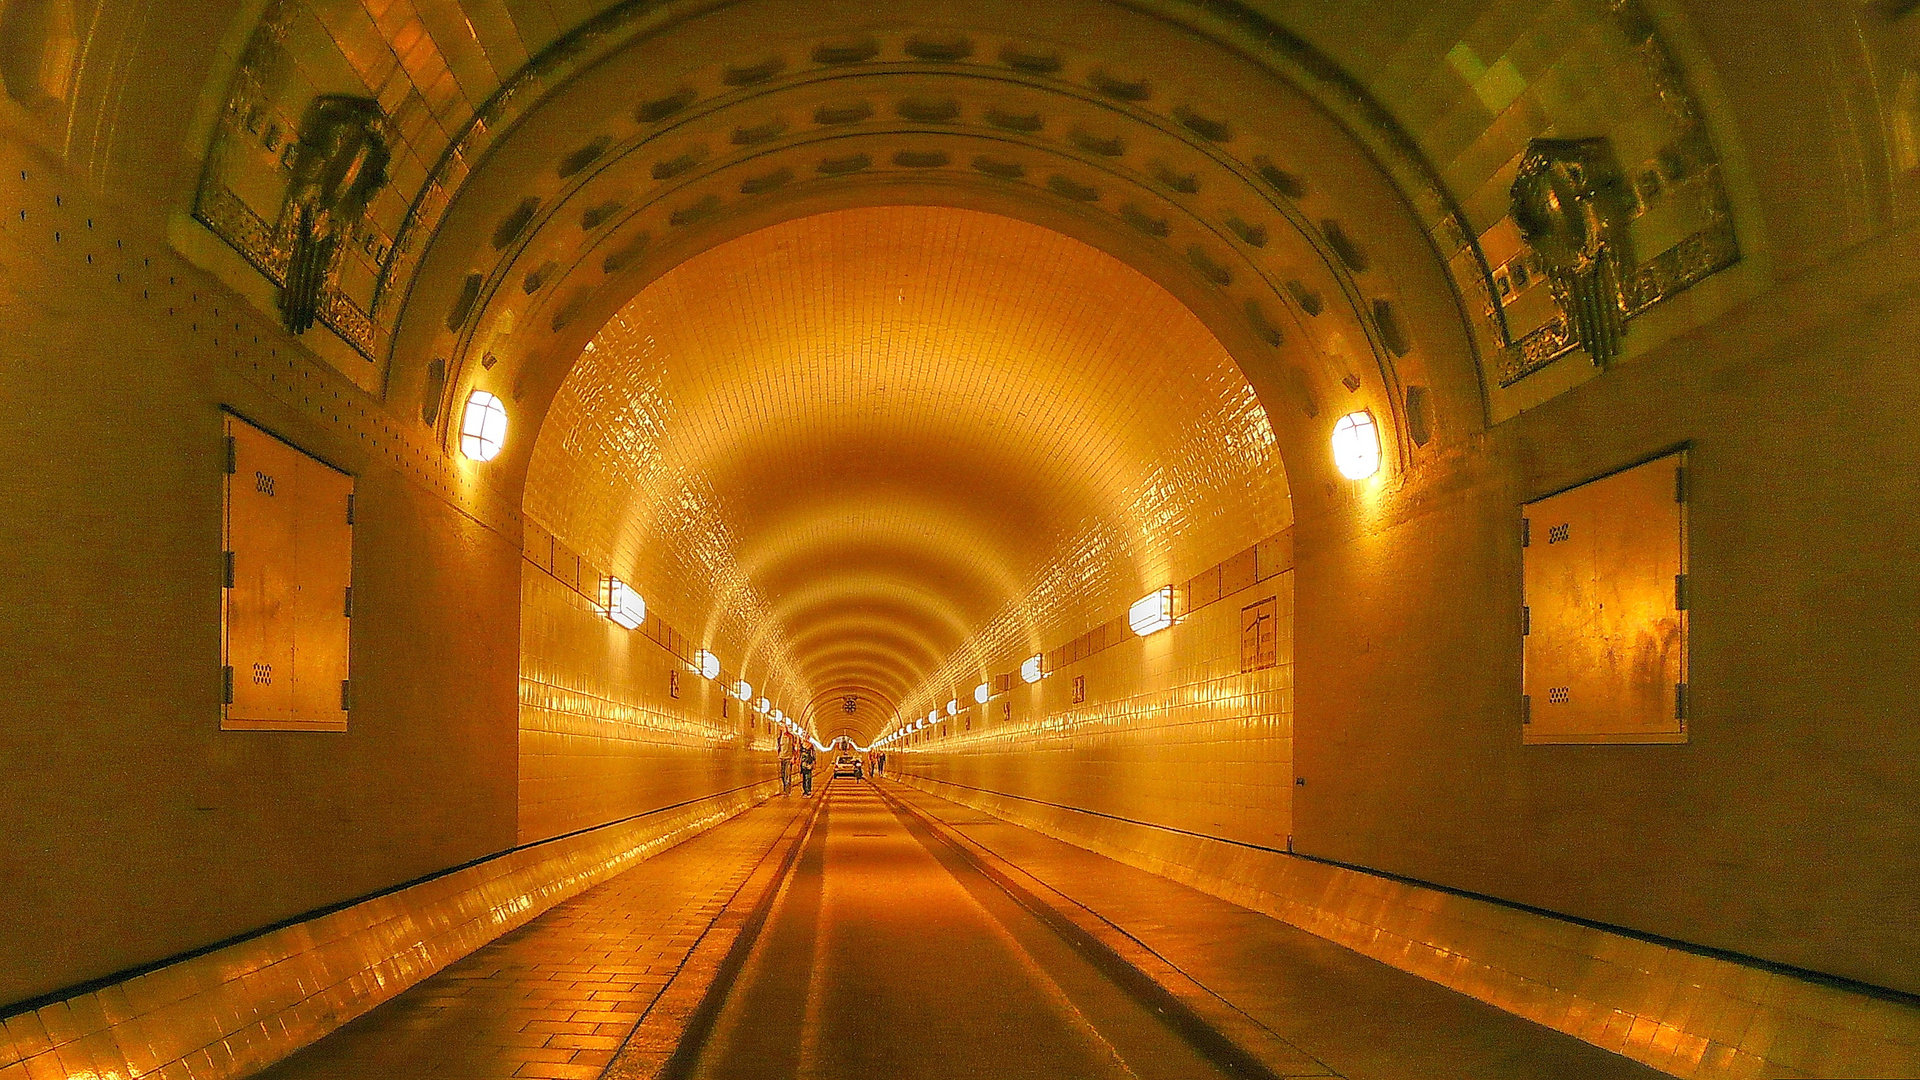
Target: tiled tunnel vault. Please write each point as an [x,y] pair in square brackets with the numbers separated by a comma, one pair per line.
[855,449]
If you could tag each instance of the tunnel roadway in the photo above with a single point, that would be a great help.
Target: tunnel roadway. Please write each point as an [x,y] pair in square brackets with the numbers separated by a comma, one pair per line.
[889,954]
[901,935]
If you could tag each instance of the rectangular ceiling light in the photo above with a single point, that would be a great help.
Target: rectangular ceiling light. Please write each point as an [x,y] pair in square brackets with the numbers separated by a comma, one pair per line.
[623,605]
[1153,612]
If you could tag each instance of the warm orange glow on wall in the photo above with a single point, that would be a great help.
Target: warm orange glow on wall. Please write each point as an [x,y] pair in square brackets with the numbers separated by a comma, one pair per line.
[483,428]
[1356,445]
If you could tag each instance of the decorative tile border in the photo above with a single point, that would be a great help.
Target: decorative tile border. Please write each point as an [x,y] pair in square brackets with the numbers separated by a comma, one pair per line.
[234,1011]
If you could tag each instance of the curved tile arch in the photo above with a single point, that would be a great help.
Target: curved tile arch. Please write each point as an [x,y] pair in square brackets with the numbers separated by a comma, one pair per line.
[1359,330]
[807,422]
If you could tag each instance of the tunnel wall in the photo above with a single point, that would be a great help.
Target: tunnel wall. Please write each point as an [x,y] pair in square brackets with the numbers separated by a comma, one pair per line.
[137,829]
[603,736]
[1786,827]
[1174,742]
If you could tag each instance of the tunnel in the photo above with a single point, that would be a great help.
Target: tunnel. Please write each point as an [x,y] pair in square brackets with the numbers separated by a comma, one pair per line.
[1079,538]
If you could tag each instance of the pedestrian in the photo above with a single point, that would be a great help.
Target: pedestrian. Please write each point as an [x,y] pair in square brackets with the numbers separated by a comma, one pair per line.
[806,770]
[783,746]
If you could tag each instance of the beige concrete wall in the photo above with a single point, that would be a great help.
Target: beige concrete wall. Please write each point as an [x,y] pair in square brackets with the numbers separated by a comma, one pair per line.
[1173,741]
[135,828]
[1786,828]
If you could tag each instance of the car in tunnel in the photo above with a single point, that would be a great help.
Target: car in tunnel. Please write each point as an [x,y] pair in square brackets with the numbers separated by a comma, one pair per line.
[847,765]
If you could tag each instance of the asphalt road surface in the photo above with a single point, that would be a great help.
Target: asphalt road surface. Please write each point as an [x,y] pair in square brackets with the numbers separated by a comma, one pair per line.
[888,955]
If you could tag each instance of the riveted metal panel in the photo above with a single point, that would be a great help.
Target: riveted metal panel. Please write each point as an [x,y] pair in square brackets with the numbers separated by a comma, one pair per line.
[1606,637]
[285,615]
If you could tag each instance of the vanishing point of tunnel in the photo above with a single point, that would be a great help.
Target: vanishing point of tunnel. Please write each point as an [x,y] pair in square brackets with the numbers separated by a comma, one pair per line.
[775,539]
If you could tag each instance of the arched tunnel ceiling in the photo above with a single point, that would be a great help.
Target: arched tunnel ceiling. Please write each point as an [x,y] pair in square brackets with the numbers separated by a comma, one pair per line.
[860,444]
[1342,233]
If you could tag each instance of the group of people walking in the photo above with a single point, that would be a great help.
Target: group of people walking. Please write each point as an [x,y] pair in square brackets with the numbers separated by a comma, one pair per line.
[797,756]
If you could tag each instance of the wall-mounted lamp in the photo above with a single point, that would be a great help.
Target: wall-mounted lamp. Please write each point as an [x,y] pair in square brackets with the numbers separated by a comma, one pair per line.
[622,604]
[743,690]
[981,693]
[1030,669]
[707,664]
[953,706]
[1356,445]
[483,428]
[1153,612]
[762,705]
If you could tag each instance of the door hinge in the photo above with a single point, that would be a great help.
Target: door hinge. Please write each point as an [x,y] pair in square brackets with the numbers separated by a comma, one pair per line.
[227,571]
[1679,701]
[346,695]
[1526,620]
[1680,484]
[349,607]
[1679,592]
[349,508]
[233,455]
[1526,532]
[1526,708]
[226,680]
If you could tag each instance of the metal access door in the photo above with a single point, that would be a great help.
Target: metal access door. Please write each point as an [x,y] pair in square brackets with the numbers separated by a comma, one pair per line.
[288,600]
[1605,621]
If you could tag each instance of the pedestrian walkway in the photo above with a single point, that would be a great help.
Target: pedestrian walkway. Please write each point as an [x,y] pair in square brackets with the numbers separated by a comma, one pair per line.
[1360,1018]
[557,997]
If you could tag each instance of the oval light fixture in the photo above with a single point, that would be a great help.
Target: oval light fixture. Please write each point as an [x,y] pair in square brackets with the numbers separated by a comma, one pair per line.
[1030,670]
[981,693]
[1153,612]
[1356,445]
[762,705]
[623,605]
[483,427]
[707,664]
[953,706]
[743,690]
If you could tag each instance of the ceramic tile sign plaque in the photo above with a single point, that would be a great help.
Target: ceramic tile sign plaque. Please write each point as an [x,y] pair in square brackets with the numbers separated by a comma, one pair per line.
[1605,622]
[288,601]
[1259,635]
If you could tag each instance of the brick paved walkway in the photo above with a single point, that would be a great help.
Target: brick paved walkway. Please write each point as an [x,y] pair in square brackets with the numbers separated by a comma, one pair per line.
[554,998]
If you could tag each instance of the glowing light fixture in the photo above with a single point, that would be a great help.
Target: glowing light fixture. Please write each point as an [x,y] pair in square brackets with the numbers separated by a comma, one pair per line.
[1356,445]
[707,664]
[743,690]
[483,429]
[953,707]
[623,605]
[981,693]
[1153,612]
[779,717]
[762,705]
[933,716]
[1030,669]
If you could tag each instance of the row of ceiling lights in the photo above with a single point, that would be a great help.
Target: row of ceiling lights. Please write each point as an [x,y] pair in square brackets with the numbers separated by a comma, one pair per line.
[1356,452]
[483,434]
[626,608]
[1150,614]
